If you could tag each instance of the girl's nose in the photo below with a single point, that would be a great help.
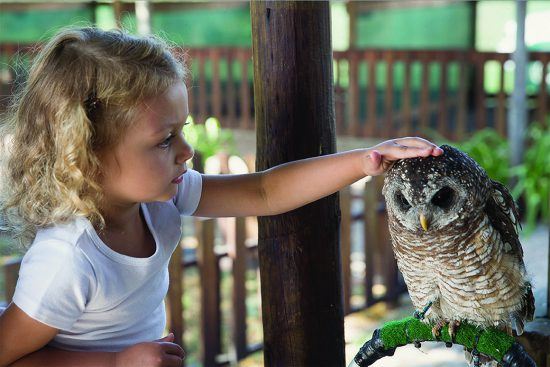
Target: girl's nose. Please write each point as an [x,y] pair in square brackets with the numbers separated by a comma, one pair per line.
[185,152]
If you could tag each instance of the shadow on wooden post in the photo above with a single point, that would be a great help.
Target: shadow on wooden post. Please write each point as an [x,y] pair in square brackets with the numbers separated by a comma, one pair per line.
[345,246]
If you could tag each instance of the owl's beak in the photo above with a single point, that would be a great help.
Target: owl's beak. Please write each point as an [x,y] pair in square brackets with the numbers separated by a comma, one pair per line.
[423,222]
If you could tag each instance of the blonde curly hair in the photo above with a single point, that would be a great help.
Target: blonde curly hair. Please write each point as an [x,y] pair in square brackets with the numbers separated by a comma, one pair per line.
[82,92]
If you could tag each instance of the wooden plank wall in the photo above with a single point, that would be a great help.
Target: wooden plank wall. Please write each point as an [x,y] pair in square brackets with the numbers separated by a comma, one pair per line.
[440,91]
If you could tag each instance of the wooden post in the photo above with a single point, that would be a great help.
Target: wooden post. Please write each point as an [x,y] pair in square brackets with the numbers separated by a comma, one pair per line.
[345,246]
[238,254]
[370,213]
[175,292]
[210,293]
[299,250]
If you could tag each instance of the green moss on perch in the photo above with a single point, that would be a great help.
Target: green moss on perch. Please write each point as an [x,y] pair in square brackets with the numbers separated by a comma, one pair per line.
[491,342]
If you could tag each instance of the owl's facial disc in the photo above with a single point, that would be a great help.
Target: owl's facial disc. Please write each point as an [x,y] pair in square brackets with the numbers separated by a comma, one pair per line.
[429,208]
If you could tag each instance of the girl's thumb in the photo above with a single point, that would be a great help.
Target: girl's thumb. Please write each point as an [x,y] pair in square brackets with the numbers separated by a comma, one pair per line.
[168,338]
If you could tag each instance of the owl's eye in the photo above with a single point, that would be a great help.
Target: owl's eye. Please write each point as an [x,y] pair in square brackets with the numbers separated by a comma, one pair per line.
[443,198]
[403,203]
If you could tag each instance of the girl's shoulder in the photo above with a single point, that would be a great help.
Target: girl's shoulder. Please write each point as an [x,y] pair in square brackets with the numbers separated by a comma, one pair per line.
[67,234]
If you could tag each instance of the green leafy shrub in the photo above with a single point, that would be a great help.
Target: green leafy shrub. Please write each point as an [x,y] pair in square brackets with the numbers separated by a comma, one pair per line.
[530,180]
[533,175]
[490,150]
[209,138]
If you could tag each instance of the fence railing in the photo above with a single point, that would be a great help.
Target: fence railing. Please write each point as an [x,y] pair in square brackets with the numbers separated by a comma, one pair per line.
[369,273]
[377,93]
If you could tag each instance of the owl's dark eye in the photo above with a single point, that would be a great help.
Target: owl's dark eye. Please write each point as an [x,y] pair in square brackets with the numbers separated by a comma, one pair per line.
[403,203]
[443,198]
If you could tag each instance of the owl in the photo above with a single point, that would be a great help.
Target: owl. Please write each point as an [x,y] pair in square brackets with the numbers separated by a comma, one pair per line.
[454,235]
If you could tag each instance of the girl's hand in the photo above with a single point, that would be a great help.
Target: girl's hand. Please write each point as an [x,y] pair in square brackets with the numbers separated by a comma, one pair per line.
[382,156]
[160,353]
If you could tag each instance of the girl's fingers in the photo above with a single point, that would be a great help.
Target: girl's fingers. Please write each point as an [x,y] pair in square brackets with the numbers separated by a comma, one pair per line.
[168,338]
[419,143]
[172,361]
[398,151]
[173,350]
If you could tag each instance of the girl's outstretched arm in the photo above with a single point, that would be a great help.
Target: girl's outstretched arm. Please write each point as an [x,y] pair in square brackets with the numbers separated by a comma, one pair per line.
[291,185]
[22,341]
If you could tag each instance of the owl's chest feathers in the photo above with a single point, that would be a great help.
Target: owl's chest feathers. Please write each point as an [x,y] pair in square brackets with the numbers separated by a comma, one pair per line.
[468,278]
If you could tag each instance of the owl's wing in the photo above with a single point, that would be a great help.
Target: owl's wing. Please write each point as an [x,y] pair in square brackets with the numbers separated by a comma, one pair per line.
[503,214]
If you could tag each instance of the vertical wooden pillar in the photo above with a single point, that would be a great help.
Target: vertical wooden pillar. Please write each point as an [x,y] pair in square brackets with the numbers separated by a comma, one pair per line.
[299,250]
[175,294]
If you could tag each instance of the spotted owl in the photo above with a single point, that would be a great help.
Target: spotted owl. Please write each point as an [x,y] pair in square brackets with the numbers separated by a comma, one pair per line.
[454,235]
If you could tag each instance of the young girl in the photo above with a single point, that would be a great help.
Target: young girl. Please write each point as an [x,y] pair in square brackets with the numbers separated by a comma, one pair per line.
[97,180]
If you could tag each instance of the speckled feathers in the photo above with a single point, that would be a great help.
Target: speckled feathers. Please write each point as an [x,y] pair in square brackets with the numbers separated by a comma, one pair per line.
[454,234]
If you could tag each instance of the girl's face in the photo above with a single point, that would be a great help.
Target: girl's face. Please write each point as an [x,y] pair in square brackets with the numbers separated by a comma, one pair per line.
[147,164]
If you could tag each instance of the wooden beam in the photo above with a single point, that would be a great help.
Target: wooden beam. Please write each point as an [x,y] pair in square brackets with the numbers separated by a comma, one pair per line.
[299,250]
[26,6]
[367,6]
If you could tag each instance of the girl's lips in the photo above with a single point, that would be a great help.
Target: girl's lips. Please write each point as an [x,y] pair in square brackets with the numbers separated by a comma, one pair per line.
[177,180]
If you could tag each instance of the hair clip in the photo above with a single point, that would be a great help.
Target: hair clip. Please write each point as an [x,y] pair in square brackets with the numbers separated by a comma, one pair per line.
[91,104]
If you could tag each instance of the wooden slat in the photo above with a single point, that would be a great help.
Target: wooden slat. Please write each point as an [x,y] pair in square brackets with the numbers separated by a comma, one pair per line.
[230,92]
[406,123]
[479,62]
[238,254]
[175,294]
[443,121]
[353,95]
[501,100]
[388,100]
[371,237]
[462,114]
[424,95]
[345,245]
[202,114]
[244,57]
[216,95]
[210,292]
[370,125]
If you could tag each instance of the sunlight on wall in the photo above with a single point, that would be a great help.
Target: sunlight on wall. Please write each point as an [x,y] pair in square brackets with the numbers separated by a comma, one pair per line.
[340,26]
[496,26]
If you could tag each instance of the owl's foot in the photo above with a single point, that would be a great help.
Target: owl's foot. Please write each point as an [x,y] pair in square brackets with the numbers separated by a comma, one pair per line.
[436,330]
[453,325]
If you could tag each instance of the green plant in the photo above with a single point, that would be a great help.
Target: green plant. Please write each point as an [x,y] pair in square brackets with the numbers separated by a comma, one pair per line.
[529,180]
[533,175]
[488,148]
[209,138]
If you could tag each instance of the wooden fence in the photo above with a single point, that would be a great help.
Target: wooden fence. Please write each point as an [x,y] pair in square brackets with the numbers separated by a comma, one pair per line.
[370,252]
[377,93]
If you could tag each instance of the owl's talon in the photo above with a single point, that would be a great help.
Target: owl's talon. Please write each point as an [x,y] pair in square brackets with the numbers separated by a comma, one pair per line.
[453,326]
[417,344]
[436,330]
[448,344]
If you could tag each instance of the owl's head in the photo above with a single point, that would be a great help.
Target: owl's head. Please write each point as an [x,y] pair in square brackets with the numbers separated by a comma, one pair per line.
[426,195]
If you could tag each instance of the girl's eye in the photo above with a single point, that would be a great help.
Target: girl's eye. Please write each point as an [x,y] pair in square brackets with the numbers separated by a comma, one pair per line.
[166,142]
